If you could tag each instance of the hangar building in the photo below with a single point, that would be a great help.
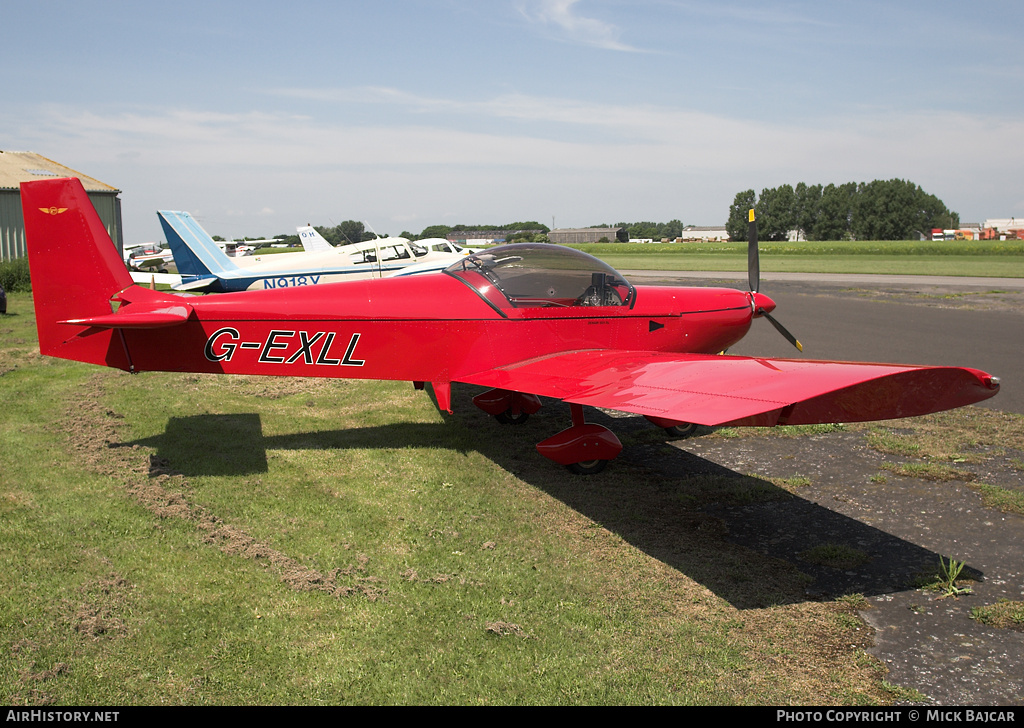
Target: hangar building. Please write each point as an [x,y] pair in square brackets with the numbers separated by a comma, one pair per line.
[18,167]
[571,236]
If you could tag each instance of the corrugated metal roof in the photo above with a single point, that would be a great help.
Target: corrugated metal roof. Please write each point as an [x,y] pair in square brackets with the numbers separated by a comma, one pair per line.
[18,167]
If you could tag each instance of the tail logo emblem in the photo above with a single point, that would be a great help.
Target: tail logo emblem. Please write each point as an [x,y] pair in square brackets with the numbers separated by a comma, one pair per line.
[53,210]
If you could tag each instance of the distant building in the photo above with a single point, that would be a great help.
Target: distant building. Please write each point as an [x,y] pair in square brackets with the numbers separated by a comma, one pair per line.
[18,167]
[1005,224]
[567,236]
[1003,228]
[483,237]
[714,233]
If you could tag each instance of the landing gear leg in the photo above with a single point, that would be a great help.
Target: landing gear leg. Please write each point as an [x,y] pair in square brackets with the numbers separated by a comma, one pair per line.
[584,449]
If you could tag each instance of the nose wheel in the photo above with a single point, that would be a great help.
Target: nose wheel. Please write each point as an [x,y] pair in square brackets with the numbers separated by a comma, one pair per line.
[681,431]
[673,428]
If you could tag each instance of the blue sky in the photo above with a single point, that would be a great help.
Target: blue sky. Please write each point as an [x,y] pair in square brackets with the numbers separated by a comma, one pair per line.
[260,116]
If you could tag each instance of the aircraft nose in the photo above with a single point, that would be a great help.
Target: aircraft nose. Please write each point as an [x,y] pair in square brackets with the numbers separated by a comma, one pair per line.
[762,302]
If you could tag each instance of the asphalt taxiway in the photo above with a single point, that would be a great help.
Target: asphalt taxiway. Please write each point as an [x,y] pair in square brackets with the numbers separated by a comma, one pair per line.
[932,320]
[927,643]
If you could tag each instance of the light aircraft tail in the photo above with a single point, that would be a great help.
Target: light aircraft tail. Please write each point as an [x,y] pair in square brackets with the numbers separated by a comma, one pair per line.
[312,241]
[196,255]
[61,224]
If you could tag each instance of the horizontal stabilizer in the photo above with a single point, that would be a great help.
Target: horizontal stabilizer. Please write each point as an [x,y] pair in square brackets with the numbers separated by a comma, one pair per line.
[144,279]
[199,284]
[140,308]
[153,319]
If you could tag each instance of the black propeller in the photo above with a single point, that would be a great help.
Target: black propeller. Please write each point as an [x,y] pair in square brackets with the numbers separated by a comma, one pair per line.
[753,260]
[754,280]
[782,330]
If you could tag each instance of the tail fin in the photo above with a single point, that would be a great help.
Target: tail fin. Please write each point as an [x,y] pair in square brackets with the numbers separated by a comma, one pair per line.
[75,269]
[195,252]
[312,241]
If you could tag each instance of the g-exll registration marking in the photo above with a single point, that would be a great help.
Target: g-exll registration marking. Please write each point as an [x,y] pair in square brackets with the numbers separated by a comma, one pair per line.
[281,347]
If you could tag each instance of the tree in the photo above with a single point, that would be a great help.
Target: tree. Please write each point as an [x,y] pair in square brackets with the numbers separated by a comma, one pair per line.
[897,210]
[776,214]
[350,231]
[739,211]
[880,210]
[834,212]
[290,239]
[527,237]
[807,203]
[435,231]
[513,226]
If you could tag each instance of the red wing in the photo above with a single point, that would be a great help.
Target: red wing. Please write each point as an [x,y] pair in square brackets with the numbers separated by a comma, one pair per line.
[733,390]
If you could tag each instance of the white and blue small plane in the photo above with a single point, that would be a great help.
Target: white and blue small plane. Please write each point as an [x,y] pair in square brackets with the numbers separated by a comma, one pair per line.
[204,267]
[314,242]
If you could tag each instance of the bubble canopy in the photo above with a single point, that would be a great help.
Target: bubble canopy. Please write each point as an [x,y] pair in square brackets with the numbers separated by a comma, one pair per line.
[543,275]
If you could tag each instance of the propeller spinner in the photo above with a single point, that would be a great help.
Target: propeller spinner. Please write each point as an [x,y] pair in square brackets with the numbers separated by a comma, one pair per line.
[754,281]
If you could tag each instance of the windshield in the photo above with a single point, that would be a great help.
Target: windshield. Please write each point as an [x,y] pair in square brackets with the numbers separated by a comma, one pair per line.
[543,274]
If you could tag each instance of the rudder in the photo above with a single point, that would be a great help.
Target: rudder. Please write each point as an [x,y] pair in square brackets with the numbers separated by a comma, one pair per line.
[75,269]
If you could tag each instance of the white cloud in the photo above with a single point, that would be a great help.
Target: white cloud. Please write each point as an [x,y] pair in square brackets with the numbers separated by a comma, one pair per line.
[507,157]
[561,16]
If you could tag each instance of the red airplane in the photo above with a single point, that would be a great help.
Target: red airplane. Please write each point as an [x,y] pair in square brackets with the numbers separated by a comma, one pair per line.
[525,320]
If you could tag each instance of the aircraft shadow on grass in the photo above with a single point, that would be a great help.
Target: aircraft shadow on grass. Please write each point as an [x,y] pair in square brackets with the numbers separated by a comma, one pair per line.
[750,554]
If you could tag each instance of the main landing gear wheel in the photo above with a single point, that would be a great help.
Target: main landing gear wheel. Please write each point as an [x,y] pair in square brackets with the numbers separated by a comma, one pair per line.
[510,418]
[587,467]
[508,408]
[682,430]
[585,449]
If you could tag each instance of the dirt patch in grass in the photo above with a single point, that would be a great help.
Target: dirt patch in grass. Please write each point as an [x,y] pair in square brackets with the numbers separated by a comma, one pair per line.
[97,615]
[30,687]
[92,430]
[506,629]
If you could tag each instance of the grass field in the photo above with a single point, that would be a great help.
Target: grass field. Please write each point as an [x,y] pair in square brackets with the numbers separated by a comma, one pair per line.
[982,266]
[189,539]
[951,258]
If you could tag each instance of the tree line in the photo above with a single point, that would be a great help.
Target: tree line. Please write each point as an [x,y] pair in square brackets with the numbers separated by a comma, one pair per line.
[880,210]
[526,228]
